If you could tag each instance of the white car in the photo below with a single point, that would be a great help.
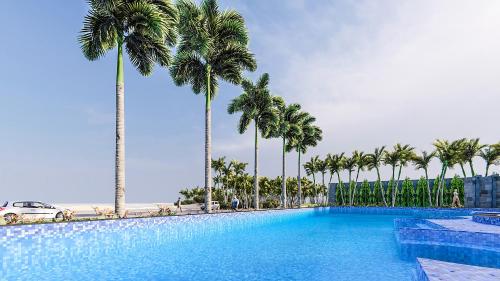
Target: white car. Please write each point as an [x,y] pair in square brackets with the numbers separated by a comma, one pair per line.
[29,209]
[215,205]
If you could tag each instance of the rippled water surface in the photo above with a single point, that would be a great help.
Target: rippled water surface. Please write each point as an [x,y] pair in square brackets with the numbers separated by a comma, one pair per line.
[300,247]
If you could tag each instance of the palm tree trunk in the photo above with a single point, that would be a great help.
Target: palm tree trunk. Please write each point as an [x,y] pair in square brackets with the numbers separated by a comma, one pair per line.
[298,181]
[381,187]
[396,189]
[428,187]
[255,170]
[355,186]
[323,185]
[463,170]
[472,169]
[341,191]
[314,189]
[393,197]
[208,146]
[443,169]
[487,168]
[283,178]
[120,134]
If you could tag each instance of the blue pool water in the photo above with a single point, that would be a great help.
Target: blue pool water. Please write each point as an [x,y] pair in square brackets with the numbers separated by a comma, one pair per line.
[294,246]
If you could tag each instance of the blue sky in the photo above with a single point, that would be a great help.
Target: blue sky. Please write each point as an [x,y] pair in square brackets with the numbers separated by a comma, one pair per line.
[373,72]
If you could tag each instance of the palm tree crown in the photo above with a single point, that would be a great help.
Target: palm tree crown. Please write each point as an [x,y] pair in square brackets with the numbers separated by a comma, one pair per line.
[213,45]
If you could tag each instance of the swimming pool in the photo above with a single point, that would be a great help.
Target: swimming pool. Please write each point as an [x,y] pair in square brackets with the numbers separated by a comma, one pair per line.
[278,245]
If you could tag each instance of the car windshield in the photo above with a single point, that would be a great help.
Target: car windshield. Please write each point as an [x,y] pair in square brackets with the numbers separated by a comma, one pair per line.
[5,204]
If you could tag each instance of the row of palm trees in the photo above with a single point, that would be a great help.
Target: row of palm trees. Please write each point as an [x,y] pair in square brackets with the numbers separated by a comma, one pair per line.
[210,46]
[459,152]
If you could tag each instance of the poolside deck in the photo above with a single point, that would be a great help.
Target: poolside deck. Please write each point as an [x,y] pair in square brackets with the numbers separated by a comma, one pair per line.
[466,224]
[434,270]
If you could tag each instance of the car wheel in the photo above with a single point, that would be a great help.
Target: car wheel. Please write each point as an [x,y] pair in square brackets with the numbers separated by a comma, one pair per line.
[59,215]
[10,217]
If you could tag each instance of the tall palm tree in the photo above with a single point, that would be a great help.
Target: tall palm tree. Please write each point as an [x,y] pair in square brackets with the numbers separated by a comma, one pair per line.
[360,159]
[406,154]
[312,167]
[309,136]
[335,165]
[323,168]
[373,161]
[258,105]
[213,45]
[491,155]
[146,28]
[392,158]
[287,128]
[422,162]
[446,152]
[349,165]
[462,158]
[472,149]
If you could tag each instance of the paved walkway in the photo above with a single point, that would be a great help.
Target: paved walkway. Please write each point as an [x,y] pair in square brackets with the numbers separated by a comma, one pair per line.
[440,270]
[466,224]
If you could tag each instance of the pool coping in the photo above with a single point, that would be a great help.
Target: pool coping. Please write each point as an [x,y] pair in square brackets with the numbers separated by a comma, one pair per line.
[435,270]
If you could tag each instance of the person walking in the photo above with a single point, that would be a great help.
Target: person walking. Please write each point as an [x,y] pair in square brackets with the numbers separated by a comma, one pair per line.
[179,205]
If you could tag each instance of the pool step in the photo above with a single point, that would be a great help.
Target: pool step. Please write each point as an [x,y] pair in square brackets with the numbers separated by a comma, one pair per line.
[434,270]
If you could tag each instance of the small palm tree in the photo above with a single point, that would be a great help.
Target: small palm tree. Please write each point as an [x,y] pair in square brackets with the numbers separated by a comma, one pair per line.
[335,165]
[312,167]
[422,162]
[360,160]
[258,105]
[491,155]
[323,168]
[405,155]
[472,149]
[213,45]
[349,165]
[218,166]
[392,158]
[462,158]
[373,161]
[146,28]
[309,136]
[447,153]
[287,128]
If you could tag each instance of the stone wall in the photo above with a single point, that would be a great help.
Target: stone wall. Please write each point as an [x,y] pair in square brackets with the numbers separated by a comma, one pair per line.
[482,192]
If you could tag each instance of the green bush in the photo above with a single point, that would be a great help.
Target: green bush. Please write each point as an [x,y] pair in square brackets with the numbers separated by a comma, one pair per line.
[377,194]
[388,191]
[364,193]
[458,183]
[270,204]
[338,193]
[407,194]
[422,195]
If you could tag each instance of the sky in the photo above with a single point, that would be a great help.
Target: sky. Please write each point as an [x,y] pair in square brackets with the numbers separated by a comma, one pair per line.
[373,73]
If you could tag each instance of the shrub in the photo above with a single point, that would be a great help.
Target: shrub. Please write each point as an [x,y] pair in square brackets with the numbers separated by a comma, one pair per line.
[270,203]
[422,195]
[364,193]
[388,191]
[377,193]
[339,191]
[407,193]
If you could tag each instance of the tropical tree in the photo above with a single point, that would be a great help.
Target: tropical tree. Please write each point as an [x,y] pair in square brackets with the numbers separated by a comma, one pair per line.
[360,160]
[213,45]
[312,167]
[405,155]
[287,128]
[349,165]
[446,152]
[218,166]
[391,158]
[373,161]
[490,155]
[472,149]
[146,28]
[461,157]
[335,165]
[258,105]
[309,136]
[422,162]
[323,168]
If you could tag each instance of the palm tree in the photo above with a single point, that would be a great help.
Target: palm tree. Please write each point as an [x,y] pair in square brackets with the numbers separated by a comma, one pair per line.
[312,167]
[309,136]
[491,155]
[405,155]
[447,153]
[335,165]
[472,149]
[360,160]
[213,45]
[147,30]
[392,158]
[349,164]
[422,162]
[373,161]
[323,168]
[287,128]
[218,166]
[258,105]
[462,158]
